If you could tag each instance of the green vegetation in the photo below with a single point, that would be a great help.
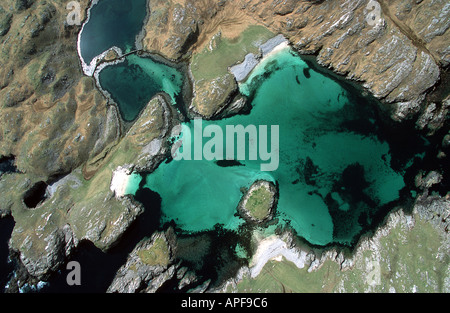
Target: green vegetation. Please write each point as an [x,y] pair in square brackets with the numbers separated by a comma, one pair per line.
[410,260]
[212,63]
[259,204]
[213,84]
[285,277]
[88,206]
[157,254]
[415,260]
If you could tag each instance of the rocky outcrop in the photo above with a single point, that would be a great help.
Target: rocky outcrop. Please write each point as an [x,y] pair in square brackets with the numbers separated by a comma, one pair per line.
[12,187]
[381,55]
[176,29]
[436,210]
[259,203]
[151,133]
[45,236]
[152,264]
[386,252]
[171,28]
[105,225]
[5,21]
[397,55]
[213,96]
[56,122]
[427,181]
[427,22]
[85,207]
[21,5]
[59,244]
[434,116]
[148,266]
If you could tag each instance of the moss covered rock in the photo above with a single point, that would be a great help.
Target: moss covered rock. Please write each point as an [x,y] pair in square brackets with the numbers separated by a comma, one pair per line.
[259,203]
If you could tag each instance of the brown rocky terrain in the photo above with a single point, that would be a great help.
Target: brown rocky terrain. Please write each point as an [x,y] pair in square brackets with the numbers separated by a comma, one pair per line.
[52,117]
[55,122]
[46,101]
[399,59]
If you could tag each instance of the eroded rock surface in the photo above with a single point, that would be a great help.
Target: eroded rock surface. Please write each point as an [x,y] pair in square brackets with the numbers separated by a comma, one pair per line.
[397,57]
[149,265]
[55,122]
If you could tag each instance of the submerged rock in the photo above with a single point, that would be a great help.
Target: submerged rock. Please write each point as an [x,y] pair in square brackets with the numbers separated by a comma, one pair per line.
[446,141]
[431,179]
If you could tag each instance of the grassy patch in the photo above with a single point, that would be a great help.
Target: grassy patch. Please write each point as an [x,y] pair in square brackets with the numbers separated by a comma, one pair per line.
[157,254]
[409,261]
[414,261]
[285,277]
[226,52]
[213,83]
[259,203]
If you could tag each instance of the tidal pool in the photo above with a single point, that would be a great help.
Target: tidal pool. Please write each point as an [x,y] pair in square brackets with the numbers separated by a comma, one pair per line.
[134,82]
[335,173]
[112,23]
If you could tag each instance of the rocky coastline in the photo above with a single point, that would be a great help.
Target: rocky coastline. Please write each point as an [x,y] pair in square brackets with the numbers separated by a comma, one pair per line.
[259,203]
[386,60]
[242,70]
[285,247]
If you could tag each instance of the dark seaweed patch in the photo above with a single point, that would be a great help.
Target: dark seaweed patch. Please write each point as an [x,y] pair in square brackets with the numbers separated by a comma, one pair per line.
[306,72]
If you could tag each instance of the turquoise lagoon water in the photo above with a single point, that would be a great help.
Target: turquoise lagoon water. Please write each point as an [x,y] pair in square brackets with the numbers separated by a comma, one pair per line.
[334,174]
[112,23]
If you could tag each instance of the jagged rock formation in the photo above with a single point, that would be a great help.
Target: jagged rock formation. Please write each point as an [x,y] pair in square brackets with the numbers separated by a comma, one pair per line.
[149,265]
[259,203]
[76,209]
[56,123]
[398,58]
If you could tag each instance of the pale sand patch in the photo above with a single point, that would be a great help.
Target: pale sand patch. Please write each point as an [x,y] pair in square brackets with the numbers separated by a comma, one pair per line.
[119,182]
[274,248]
[278,48]
[268,49]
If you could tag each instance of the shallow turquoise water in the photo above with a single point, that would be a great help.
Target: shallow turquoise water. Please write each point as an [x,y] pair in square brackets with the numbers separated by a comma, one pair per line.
[334,175]
[134,82]
[112,23]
